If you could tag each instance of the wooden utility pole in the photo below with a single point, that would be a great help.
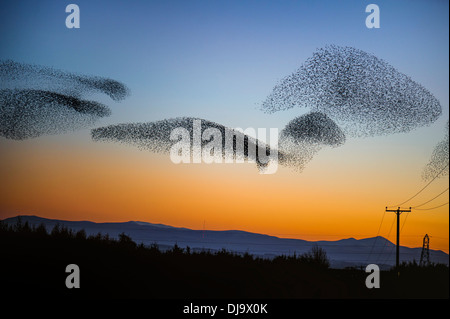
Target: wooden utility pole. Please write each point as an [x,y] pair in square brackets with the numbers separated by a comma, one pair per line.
[398,211]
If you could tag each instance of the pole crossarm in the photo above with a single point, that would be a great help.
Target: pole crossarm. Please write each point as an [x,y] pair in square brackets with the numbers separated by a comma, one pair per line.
[398,210]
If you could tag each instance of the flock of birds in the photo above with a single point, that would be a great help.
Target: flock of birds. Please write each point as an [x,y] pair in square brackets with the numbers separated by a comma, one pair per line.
[37,100]
[156,137]
[348,92]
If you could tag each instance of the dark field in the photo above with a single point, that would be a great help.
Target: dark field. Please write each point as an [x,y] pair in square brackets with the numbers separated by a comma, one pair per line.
[33,264]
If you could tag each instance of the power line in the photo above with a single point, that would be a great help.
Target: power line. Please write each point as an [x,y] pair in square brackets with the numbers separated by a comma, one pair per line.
[392,248]
[385,243]
[432,207]
[376,237]
[398,211]
[421,189]
[378,232]
[404,221]
[431,199]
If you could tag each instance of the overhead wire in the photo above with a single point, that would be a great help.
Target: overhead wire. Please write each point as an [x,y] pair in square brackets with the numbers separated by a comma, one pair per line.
[420,191]
[376,237]
[415,207]
[431,208]
[385,243]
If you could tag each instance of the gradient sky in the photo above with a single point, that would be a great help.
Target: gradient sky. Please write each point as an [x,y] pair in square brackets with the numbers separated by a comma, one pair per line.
[219,60]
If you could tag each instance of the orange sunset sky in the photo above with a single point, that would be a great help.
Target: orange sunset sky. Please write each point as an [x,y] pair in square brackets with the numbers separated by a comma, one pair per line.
[336,196]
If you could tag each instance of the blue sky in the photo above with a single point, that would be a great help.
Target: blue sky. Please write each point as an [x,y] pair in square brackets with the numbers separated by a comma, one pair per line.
[219,59]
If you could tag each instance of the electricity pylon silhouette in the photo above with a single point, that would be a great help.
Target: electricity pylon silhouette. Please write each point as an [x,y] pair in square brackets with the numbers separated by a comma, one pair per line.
[425,255]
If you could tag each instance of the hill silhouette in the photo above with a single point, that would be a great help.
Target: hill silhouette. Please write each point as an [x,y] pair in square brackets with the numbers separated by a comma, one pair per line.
[34,262]
[342,253]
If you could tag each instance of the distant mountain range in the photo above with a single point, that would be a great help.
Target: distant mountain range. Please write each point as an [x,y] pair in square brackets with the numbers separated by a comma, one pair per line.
[341,253]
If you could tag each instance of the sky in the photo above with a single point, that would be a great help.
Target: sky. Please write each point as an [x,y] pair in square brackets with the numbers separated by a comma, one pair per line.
[218,60]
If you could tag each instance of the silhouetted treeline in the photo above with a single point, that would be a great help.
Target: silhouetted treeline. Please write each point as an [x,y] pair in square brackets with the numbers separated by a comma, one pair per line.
[34,261]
